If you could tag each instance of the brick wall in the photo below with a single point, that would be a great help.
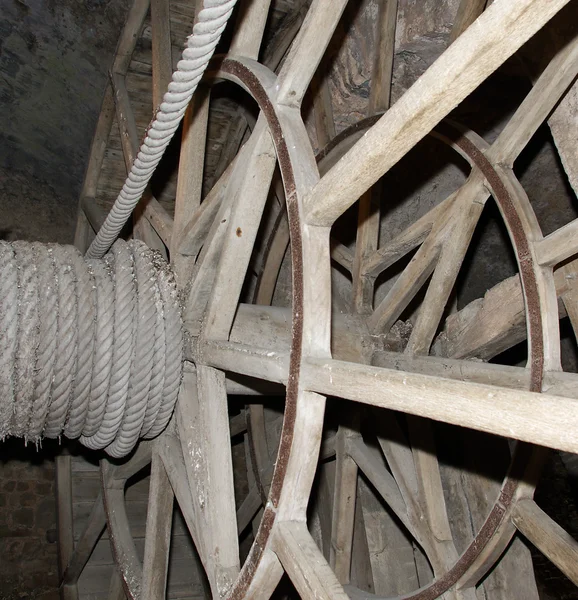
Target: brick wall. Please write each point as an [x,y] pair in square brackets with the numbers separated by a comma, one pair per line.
[28,550]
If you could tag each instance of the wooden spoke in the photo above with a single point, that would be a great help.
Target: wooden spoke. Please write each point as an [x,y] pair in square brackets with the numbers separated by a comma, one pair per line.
[306,566]
[242,232]
[161,49]
[343,517]
[380,478]
[558,246]
[548,537]
[157,542]
[308,49]
[250,29]
[469,204]
[495,323]
[122,541]
[406,241]
[85,545]
[406,286]
[537,418]
[203,427]
[501,27]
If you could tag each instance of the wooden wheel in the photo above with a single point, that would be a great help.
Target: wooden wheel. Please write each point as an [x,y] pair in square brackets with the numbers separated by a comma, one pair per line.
[211,245]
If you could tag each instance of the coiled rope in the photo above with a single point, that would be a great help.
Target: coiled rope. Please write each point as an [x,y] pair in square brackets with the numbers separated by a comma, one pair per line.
[211,23]
[88,348]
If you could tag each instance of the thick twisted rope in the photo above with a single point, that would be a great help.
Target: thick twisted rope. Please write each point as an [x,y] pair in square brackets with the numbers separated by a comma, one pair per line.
[88,348]
[211,23]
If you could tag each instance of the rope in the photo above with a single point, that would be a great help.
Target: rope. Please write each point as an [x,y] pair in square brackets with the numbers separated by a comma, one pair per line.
[88,348]
[211,23]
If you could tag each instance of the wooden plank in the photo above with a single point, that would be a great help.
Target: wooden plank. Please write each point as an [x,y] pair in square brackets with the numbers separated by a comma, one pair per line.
[65,521]
[88,540]
[503,27]
[344,503]
[548,537]
[304,563]
[161,49]
[158,528]
[537,418]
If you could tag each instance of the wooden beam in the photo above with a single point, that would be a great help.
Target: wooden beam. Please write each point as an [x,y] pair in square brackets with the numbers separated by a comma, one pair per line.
[250,28]
[304,563]
[380,94]
[556,543]
[536,418]
[85,545]
[501,30]
[158,532]
[307,50]
[162,61]
[489,325]
[64,522]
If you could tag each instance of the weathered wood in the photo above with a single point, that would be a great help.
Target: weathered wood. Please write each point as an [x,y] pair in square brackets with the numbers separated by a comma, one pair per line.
[64,523]
[161,49]
[159,522]
[488,326]
[203,426]
[306,566]
[504,27]
[85,545]
[548,537]
[537,418]
[559,245]
[344,503]
[250,28]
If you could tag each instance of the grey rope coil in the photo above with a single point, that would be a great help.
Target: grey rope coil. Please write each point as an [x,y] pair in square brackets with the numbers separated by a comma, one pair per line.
[211,23]
[88,348]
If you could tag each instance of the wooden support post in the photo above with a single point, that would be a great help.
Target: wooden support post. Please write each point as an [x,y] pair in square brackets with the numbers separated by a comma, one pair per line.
[65,522]
[158,538]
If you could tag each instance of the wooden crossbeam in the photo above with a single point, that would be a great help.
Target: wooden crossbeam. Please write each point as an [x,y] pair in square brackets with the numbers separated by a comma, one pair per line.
[537,418]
